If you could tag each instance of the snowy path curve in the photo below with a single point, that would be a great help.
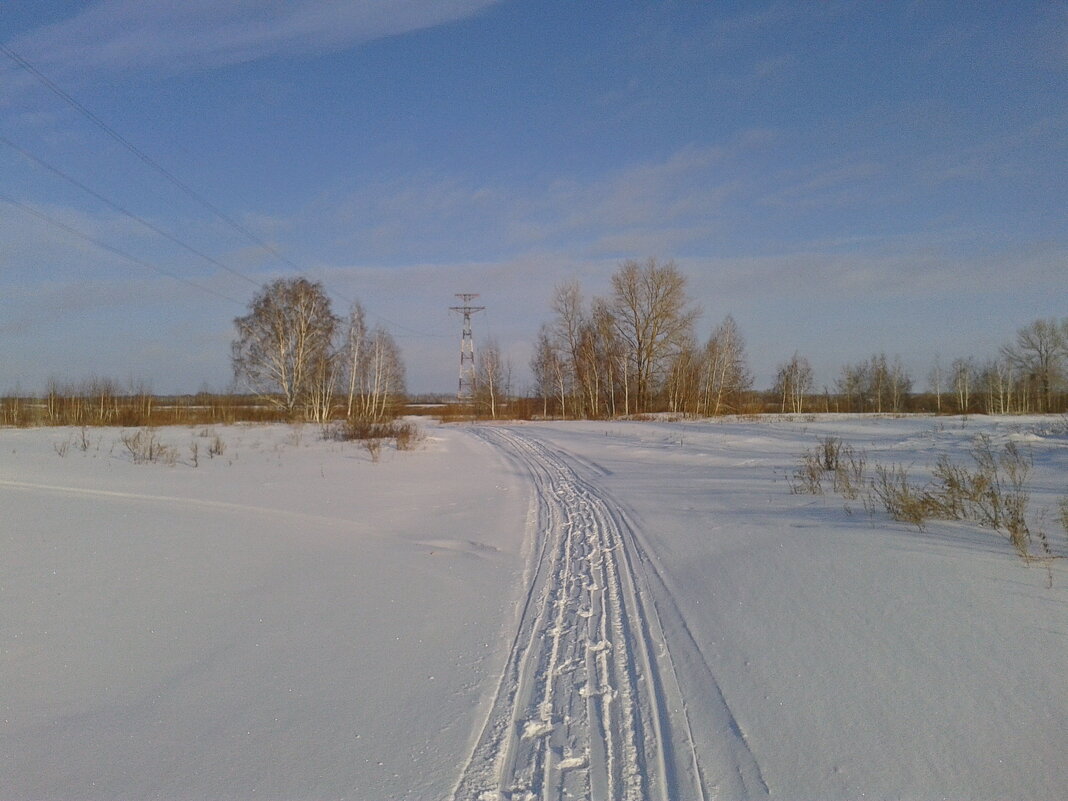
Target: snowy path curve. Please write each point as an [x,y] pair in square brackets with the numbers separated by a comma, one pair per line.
[589,704]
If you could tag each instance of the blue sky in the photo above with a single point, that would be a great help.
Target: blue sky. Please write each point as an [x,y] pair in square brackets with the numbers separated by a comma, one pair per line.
[844,178]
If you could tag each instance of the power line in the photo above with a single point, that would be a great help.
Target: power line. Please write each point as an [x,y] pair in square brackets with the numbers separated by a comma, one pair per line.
[120,253]
[126,212]
[170,177]
[144,157]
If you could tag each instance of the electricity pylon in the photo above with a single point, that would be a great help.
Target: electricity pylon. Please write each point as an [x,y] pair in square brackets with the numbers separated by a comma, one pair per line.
[466,391]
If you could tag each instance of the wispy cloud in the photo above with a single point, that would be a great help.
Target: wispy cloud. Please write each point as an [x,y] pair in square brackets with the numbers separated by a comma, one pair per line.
[654,205]
[826,186]
[114,35]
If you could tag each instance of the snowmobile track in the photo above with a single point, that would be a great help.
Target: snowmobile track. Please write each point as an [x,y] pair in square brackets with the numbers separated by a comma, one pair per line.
[589,703]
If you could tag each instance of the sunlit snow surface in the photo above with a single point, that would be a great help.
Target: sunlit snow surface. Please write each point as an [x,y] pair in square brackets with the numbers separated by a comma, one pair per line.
[608,609]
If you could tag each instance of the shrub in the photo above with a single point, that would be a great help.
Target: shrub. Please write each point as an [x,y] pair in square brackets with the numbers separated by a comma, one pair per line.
[891,489]
[405,434]
[829,450]
[849,472]
[144,446]
[807,479]
[829,456]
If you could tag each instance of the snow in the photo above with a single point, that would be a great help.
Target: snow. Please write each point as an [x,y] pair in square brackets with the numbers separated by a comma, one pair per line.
[616,609]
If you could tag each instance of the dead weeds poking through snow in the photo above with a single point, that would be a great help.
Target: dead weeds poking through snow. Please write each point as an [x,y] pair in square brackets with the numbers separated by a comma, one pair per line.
[992,492]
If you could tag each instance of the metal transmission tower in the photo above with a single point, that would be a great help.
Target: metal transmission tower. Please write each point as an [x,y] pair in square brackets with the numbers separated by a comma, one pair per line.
[466,392]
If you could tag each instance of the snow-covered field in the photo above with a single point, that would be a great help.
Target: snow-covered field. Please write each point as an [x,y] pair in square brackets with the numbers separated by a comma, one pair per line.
[619,610]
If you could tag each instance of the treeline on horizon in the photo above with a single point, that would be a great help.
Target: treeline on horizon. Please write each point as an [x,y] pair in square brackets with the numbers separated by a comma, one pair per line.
[633,352]
[636,351]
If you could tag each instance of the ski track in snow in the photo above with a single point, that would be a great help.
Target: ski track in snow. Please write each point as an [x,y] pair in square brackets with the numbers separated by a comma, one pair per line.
[589,704]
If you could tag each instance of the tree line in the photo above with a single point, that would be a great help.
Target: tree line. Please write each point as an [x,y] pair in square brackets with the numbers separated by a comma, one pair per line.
[1029,374]
[635,351]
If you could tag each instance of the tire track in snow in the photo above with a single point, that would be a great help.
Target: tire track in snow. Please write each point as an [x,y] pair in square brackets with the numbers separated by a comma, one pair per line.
[589,704]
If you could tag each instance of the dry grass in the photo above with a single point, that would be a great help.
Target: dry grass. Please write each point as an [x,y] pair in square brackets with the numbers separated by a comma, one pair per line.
[891,489]
[992,492]
[144,447]
[849,479]
[105,406]
[807,479]
[829,456]
[405,435]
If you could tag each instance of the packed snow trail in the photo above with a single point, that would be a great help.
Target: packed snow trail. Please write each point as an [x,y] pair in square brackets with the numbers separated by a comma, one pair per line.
[589,704]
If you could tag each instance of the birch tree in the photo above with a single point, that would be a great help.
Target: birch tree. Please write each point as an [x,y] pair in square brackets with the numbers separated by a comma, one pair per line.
[382,380]
[725,375]
[284,344]
[355,354]
[792,382]
[490,378]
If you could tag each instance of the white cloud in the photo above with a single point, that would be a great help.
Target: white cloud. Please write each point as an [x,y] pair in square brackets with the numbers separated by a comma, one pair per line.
[197,34]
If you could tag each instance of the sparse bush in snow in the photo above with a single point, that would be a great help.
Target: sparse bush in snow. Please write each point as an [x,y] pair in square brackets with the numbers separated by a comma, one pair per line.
[992,493]
[405,435]
[830,447]
[807,479]
[829,456]
[849,472]
[891,489]
[144,446]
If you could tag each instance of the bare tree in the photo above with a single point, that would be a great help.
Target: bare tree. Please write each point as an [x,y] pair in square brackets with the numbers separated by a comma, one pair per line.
[963,371]
[381,379]
[490,378]
[876,384]
[683,380]
[936,382]
[323,373]
[355,353]
[725,375]
[610,357]
[284,343]
[545,367]
[996,380]
[567,328]
[851,385]
[899,383]
[653,319]
[1039,352]
[793,381]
